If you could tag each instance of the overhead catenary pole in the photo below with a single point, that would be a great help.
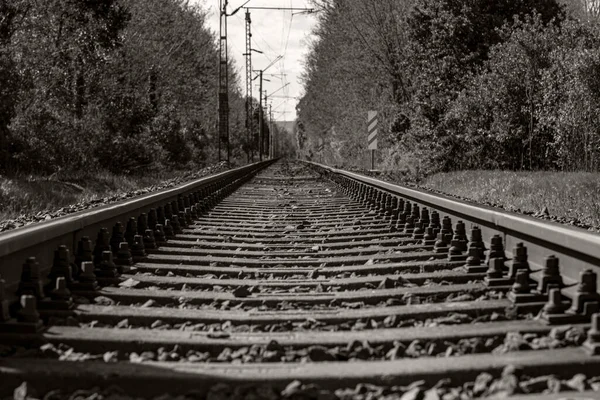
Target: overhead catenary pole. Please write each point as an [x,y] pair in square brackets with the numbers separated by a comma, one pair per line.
[223,100]
[271,133]
[266,138]
[261,113]
[249,105]
[301,10]
[260,118]
[223,104]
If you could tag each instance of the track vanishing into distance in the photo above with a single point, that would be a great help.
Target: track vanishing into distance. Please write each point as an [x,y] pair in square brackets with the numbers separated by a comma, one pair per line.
[295,280]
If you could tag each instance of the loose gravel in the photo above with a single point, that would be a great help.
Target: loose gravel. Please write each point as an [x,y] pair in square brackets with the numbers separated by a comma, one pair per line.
[512,381]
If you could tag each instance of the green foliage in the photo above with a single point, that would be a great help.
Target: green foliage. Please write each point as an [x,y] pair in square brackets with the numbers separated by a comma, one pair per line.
[570,196]
[120,85]
[459,84]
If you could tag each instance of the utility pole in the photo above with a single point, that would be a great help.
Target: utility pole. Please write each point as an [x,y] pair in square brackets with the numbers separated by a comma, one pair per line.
[302,10]
[271,137]
[223,135]
[223,101]
[271,133]
[260,118]
[266,141]
[261,112]
[249,105]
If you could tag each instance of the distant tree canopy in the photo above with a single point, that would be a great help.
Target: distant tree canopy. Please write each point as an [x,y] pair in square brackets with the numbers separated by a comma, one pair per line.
[458,84]
[121,85]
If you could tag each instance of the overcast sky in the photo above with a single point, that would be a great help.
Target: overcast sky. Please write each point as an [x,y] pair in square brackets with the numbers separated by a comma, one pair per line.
[274,33]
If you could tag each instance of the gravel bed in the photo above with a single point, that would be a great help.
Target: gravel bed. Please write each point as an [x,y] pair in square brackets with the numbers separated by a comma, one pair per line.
[512,381]
[390,282]
[46,215]
[335,304]
[310,324]
[353,351]
[411,267]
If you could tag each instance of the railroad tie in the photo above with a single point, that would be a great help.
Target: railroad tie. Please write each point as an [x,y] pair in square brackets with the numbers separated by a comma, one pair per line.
[293,278]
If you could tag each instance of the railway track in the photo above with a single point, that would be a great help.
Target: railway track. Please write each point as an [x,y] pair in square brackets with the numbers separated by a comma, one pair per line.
[296,280]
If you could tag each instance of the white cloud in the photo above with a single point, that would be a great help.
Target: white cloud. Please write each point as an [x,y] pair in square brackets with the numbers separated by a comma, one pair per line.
[274,33]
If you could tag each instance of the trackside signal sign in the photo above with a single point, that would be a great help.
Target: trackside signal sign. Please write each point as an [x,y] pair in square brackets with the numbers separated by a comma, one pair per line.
[372,125]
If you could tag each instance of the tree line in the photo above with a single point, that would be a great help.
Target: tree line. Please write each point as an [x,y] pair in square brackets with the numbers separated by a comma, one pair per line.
[118,85]
[459,84]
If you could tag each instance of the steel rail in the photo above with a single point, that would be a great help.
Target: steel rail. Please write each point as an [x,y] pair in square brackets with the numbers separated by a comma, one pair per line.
[264,283]
[577,249]
[40,240]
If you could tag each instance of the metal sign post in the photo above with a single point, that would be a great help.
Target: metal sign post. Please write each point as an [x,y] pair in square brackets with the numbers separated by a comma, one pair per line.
[320,149]
[372,125]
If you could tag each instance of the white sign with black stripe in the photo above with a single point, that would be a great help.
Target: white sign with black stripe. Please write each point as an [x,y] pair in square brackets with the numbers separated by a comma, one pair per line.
[372,125]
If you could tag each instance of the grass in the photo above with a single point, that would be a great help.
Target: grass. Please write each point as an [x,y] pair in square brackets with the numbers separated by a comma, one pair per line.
[570,197]
[27,198]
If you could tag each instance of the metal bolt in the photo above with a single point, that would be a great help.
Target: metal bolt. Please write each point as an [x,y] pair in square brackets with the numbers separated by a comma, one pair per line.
[28,312]
[117,237]
[62,264]
[409,226]
[87,272]
[102,244]
[107,266]
[429,235]
[519,260]
[593,336]
[586,292]
[30,279]
[550,275]
[84,251]
[521,285]
[495,268]
[176,225]
[477,242]
[461,233]
[151,220]
[158,236]
[435,220]
[131,230]
[587,282]
[4,303]
[61,292]
[424,217]
[168,229]
[496,248]
[455,246]
[124,255]
[138,248]
[415,212]
[554,304]
[160,212]
[473,256]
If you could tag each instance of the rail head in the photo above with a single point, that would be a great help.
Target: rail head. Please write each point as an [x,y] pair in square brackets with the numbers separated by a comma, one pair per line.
[577,248]
[43,239]
[35,234]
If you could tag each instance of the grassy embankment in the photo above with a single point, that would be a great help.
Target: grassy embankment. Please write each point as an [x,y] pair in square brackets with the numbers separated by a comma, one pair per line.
[570,197]
[26,199]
